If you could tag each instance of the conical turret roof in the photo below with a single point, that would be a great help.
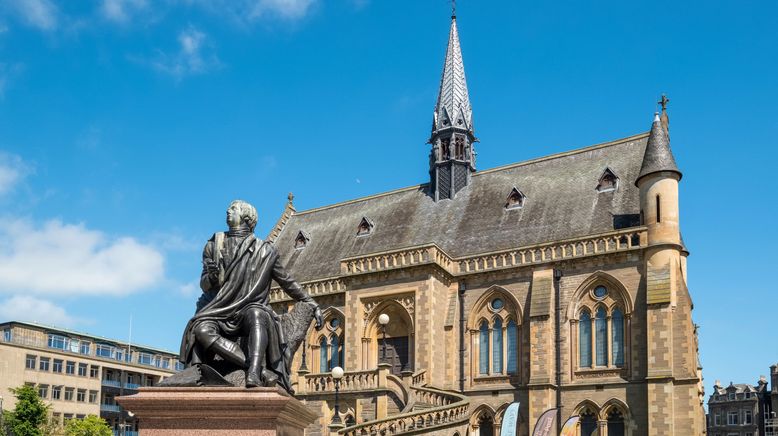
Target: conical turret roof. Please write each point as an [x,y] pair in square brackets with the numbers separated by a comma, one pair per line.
[453,105]
[658,156]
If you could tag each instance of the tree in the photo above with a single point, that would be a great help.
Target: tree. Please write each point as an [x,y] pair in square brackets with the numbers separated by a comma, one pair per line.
[29,415]
[90,426]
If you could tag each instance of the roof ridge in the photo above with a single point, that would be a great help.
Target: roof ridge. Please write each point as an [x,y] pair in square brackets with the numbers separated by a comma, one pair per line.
[477,173]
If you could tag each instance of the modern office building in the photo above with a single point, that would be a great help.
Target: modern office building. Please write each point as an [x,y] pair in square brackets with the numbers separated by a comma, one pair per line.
[79,374]
[558,282]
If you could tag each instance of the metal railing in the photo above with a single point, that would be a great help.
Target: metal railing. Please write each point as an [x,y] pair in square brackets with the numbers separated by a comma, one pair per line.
[110,408]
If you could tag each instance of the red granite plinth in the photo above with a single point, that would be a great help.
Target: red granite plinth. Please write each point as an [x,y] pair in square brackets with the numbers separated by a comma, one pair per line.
[217,411]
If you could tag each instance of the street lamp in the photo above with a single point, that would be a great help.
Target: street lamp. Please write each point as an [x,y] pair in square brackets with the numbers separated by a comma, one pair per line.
[383,319]
[337,374]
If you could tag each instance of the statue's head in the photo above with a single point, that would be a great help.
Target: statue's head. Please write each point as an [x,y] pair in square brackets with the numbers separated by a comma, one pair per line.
[241,212]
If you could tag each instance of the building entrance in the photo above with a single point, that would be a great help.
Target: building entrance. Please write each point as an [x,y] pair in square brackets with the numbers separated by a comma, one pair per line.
[397,354]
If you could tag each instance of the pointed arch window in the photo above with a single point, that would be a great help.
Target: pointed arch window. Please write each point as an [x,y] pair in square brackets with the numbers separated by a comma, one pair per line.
[515,199]
[513,354]
[601,337]
[334,352]
[497,346]
[483,355]
[323,360]
[617,329]
[585,339]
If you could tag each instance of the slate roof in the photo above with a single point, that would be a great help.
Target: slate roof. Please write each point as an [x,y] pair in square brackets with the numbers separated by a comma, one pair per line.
[658,156]
[562,202]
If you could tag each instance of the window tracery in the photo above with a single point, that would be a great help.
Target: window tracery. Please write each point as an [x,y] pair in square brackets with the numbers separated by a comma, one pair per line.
[495,336]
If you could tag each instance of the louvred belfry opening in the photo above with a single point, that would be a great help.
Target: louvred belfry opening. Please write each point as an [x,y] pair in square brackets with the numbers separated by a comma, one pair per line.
[452,157]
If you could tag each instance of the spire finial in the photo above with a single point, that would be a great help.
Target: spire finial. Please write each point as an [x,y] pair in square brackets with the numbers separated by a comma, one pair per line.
[663,102]
[453,9]
[290,197]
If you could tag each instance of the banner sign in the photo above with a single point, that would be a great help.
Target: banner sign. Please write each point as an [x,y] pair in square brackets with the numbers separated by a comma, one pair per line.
[546,423]
[570,427]
[510,420]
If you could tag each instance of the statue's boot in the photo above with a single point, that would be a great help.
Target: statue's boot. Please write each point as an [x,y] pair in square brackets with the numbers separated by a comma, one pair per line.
[229,351]
[254,372]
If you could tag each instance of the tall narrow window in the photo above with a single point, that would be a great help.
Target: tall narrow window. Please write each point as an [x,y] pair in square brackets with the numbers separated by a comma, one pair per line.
[323,364]
[342,352]
[658,210]
[334,352]
[483,353]
[585,339]
[617,329]
[513,354]
[497,347]
[601,337]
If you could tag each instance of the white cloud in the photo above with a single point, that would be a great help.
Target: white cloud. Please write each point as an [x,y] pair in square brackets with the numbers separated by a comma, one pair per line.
[12,170]
[121,11]
[42,14]
[190,289]
[194,56]
[66,259]
[290,9]
[26,308]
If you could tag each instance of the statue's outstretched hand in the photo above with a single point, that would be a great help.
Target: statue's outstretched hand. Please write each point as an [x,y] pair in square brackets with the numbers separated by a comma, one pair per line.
[317,316]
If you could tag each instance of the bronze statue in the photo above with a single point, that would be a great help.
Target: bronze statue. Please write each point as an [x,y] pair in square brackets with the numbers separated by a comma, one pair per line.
[234,329]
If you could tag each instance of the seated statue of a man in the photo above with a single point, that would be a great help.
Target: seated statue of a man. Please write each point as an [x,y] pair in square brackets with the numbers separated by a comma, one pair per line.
[233,319]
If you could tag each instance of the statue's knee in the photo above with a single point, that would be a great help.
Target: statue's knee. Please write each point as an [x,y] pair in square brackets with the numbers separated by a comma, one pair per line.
[255,314]
[204,333]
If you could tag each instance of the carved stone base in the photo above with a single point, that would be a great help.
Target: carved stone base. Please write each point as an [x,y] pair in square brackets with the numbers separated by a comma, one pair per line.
[217,411]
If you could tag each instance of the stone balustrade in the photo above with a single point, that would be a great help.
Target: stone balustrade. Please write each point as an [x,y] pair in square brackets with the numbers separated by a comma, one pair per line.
[448,409]
[426,254]
[352,381]
[419,378]
[620,240]
[331,285]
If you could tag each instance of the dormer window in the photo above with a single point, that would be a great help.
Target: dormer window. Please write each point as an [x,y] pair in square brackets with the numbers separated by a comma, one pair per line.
[515,199]
[608,182]
[365,227]
[301,240]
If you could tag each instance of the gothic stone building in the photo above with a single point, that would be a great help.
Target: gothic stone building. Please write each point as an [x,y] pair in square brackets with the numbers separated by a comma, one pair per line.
[559,281]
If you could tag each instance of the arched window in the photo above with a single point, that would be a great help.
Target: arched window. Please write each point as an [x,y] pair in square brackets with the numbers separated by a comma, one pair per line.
[483,357]
[485,426]
[588,423]
[513,355]
[601,337]
[617,329]
[323,361]
[497,346]
[334,352]
[615,423]
[585,339]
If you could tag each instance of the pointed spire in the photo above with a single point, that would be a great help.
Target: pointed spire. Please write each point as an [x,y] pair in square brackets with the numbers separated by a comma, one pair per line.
[658,157]
[453,105]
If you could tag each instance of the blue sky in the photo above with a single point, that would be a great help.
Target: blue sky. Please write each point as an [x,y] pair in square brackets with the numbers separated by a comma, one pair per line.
[127,126]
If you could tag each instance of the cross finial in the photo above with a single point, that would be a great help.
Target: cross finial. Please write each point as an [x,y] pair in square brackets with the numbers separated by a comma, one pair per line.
[663,102]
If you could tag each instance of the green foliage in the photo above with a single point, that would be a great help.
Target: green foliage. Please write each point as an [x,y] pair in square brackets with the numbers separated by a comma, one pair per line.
[90,426]
[29,416]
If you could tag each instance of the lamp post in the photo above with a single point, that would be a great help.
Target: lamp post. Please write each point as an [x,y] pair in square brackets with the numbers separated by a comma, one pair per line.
[337,374]
[303,365]
[383,320]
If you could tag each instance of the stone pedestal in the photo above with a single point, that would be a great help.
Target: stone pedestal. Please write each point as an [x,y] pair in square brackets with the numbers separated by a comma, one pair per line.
[217,411]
